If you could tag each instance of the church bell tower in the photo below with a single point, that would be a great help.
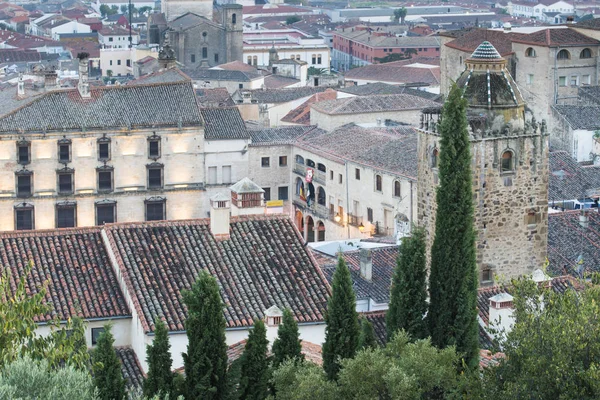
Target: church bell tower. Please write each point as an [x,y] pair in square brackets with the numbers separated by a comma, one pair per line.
[509,154]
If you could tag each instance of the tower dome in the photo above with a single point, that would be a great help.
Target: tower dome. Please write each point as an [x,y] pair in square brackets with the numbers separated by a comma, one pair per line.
[489,88]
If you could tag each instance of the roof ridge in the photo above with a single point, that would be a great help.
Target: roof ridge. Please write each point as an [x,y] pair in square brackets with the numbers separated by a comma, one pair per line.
[50,232]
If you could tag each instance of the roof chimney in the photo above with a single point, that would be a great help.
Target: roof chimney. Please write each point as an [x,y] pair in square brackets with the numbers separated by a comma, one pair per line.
[501,314]
[366,263]
[273,317]
[83,86]
[220,216]
[507,27]
[247,198]
[20,86]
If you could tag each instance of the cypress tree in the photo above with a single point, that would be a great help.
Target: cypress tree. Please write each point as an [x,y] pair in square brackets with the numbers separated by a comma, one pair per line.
[205,361]
[107,368]
[366,340]
[287,344]
[452,315]
[254,379]
[408,302]
[342,329]
[160,378]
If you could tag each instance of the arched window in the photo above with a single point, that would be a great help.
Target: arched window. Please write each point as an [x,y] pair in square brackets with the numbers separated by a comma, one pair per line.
[249,60]
[233,18]
[321,196]
[397,191]
[321,167]
[299,159]
[310,163]
[563,55]
[530,52]
[507,161]
[299,187]
[585,53]
[434,158]
[255,61]
[378,183]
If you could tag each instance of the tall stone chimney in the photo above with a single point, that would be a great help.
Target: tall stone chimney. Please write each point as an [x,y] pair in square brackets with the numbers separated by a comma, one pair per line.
[50,77]
[220,216]
[273,318]
[83,86]
[501,314]
[366,264]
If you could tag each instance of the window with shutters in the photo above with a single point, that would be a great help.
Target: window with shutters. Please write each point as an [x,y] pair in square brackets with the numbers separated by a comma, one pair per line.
[24,217]
[106,212]
[156,209]
[155,176]
[66,215]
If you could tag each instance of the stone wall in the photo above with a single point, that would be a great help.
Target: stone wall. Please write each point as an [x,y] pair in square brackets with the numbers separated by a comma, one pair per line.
[510,242]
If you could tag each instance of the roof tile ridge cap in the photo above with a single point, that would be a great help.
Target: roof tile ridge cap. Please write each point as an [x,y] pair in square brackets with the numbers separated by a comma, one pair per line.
[50,231]
[373,313]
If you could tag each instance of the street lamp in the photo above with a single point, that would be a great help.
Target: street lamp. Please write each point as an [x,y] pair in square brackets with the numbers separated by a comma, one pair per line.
[361,228]
[337,217]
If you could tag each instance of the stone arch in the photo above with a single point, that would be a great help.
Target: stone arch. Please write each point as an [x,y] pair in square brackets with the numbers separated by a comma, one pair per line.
[320,231]
[585,53]
[299,159]
[310,163]
[530,52]
[299,187]
[321,196]
[563,55]
[310,226]
[397,189]
[507,161]
[300,221]
[434,157]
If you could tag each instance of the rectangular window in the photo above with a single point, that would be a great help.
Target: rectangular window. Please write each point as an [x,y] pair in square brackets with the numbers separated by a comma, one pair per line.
[106,213]
[369,214]
[249,60]
[155,177]
[267,194]
[110,39]
[240,85]
[204,53]
[110,62]
[265,162]
[585,80]
[212,175]
[24,185]
[562,81]
[23,149]
[24,218]
[226,173]
[65,183]
[104,151]
[64,152]
[283,161]
[128,62]
[282,193]
[319,59]
[357,174]
[155,210]
[314,59]
[529,79]
[154,148]
[118,62]
[330,174]
[96,332]
[340,180]
[65,216]
[574,80]
[216,57]
[105,181]
[193,58]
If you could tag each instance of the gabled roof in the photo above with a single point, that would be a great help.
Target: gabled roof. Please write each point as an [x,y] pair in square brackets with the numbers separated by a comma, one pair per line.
[222,75]
[130,368]
[283,95]
[279,135]
[470,40]
[224,123]
[76,266]
[312,352]
[568,240]
[264,263]
[163,76]
[214,97]
[245,185]
[376,103]
[166,104]
[592,23]
[237,66]
[301,114]
[589,94]
[580,117]
[377,318]
[557,37]
[399,72]
[379,88]
[279,81]
[190,20]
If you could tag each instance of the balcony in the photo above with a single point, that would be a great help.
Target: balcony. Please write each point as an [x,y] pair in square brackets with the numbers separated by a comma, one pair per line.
[300,169]
[321,177]
[383,230]
[354,220]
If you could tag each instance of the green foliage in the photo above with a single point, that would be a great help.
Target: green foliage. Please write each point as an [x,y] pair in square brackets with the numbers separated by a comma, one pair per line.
[391,58]
[400,14]
[366,339]
[106,368]
[342,329]
[292,19]
[312,71]
[287,344]
[160,378]
[255,365]
[452,315]
[408,302]
[28,379]
[205,361]
[553,350]
[302,381]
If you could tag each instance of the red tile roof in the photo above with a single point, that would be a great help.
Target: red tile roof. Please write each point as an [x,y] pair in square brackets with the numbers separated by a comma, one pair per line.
[472,39]
[557,37]
[312,352]
[76,265]
[264,263]
[301,114]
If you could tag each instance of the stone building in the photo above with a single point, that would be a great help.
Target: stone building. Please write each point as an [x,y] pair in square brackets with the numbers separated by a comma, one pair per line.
[173,9]
[510,170]
[94,155]
[199,41]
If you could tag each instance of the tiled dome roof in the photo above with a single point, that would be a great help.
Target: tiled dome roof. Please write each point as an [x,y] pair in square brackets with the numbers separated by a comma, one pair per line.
[486,51]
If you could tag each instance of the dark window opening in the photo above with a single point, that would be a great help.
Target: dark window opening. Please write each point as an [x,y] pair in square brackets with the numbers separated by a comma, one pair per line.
[155,210]
[321,196]
[96,332]
[155,180]
[24,218]
[216,57]
[282,161]
[105,181]
[154,148]
[267,194]
[397,191]
[104,150]
[24,185]
[378,183]
[65,216]
[370,214]
[507,161]
[65,183]
[357,174]
[233,18]
[265,162]
[64,152]
[283,193]
[105,213]
[204,53]
[193,58]
[23,150]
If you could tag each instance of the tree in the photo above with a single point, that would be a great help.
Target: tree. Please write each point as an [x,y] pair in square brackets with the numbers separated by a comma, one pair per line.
[391,58]
[287,345]
[160,378]
[366,340]
[292,19]
[205,361]
[144,10]
[400,14]
[302,381]
[26,378]
[452,315]
[104,10]
[553,348]
[410,52]
[124,8]
[254,379]
[408,300]
[342,329]
[106,368]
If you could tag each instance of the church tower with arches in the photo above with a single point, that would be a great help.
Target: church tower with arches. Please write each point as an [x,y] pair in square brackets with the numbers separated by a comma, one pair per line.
[509,151]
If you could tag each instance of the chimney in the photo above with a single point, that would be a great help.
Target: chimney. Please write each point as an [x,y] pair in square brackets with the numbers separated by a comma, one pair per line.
[83,86]
[501,317]
[272,320]
[507,27]
[366,264]
[570,19]
[247,198]
[219,216]
[20,86]
[50,77]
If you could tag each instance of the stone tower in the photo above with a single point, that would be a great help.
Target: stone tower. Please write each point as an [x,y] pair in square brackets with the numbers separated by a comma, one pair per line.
[510,170]
[231,19]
